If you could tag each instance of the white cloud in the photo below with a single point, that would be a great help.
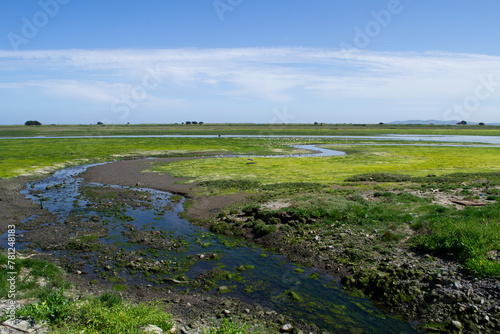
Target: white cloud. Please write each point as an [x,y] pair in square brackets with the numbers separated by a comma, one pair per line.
[277,75]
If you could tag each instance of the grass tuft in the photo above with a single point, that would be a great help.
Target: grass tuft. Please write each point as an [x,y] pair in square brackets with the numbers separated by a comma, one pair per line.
[229,327]
[469,234]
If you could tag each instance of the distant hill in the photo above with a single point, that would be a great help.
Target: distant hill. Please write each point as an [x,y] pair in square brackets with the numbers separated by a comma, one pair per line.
[437,122]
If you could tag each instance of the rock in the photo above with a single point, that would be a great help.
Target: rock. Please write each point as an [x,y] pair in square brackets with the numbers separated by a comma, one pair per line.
[455,324]
[152,329]
[23,326]
[70,295]
[449,299]
[287,328]
[223,289]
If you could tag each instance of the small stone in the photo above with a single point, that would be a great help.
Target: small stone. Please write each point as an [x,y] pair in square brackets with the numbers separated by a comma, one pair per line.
[69,295]
[247,310]
[226,312]
[456,324]
[223,289]
[21,325]
[287,328]
[152,329]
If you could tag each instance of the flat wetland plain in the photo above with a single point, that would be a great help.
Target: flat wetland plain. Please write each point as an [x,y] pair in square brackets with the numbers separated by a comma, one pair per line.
[413,228]
[246,129]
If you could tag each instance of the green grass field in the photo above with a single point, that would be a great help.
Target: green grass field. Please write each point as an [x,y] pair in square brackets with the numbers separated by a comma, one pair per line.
[410,160]
[245,129]
[24,156]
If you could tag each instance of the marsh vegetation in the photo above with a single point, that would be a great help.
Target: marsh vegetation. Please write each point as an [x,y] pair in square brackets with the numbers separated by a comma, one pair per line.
[413,228]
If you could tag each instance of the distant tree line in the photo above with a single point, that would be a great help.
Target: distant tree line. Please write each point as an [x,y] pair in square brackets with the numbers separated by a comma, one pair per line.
[193,122]
[31,123]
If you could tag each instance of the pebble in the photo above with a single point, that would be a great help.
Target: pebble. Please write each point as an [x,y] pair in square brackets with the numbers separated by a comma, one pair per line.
[151,329]
[18,326]
[456,324]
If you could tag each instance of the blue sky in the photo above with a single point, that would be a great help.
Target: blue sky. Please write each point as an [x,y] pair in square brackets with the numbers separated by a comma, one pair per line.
[261,61]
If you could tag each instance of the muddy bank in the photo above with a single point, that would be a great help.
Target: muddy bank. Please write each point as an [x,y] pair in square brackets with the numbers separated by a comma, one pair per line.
[435,292]
[15,208]
[131,173]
